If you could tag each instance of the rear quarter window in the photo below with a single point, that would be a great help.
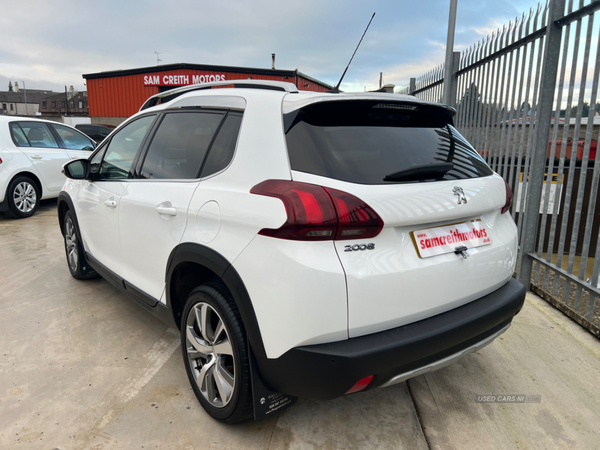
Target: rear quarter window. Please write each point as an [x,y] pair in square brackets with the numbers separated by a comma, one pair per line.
[375,142]
[18,136]
[223,148]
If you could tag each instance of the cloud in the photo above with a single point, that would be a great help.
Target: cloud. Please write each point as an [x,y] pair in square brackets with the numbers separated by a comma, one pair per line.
[51,44]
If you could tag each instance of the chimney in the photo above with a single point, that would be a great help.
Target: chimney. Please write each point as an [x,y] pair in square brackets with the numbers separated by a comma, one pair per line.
[272,60]
[10,89]
[16,86]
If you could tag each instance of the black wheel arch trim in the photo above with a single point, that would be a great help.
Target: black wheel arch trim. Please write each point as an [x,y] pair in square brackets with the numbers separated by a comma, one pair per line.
[64,197]
[217,263]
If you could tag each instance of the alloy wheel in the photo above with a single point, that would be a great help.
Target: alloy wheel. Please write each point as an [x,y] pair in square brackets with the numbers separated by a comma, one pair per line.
[24,196]
[210,354]
[71,243]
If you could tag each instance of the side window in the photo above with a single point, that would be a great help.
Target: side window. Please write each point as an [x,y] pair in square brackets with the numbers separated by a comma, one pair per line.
[122,149]
[38,134]
[18,135]
[72,139]
[221,152]
[87,129]
[179,146]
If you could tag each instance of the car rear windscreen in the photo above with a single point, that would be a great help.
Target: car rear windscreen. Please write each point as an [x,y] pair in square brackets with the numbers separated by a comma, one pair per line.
[378,142]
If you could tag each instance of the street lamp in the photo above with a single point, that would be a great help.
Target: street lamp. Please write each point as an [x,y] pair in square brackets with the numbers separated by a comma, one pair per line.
[25,91]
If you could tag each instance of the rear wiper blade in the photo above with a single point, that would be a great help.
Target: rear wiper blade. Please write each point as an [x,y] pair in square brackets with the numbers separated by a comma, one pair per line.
[422,172]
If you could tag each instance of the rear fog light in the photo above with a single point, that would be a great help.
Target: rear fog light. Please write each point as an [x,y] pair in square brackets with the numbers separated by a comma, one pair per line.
[361,385]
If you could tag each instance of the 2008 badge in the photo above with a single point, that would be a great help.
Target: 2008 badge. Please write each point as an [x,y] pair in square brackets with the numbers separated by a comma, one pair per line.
[357,247]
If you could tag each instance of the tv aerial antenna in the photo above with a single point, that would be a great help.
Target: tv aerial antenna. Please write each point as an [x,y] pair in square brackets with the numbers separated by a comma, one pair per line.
[336,89]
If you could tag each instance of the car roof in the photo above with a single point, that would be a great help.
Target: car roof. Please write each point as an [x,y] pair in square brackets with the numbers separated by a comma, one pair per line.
[291,101]
[7,119]
[249,90]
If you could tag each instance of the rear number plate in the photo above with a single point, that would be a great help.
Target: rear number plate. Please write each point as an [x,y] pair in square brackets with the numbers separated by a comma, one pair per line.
[440,240]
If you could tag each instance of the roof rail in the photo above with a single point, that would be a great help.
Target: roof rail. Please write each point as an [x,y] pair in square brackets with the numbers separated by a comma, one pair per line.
[167,96]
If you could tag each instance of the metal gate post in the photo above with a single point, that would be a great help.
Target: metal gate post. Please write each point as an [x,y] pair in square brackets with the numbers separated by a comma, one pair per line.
[413,86]
[454,79]
[449,66]
[542,132]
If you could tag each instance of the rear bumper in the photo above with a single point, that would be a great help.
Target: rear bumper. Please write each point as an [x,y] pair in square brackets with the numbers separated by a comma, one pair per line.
[327,371]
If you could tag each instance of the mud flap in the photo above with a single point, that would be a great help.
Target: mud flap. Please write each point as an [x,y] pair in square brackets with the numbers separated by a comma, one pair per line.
[266,402]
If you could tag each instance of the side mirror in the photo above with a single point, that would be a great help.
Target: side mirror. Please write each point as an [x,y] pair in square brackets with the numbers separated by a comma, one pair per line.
[77,169]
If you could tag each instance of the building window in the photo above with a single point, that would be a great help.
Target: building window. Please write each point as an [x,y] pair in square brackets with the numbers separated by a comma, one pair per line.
[71,104]
[80,105]
[4,106]
[44,105]
[53,104]
[11,107]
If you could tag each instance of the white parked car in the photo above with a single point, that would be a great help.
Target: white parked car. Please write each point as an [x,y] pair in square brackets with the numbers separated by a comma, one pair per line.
[305,244]
[32,153]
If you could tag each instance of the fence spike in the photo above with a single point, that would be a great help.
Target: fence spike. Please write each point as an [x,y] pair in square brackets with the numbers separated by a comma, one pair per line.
[502,40]
[528,22]
[545,13]
[521,27]
[537,15]
[486,46]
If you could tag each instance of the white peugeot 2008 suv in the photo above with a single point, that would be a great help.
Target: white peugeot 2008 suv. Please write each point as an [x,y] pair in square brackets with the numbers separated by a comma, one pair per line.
[305,244]
[32,153]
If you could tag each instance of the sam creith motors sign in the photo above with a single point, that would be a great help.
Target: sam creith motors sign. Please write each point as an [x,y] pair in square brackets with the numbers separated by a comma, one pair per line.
[181,80]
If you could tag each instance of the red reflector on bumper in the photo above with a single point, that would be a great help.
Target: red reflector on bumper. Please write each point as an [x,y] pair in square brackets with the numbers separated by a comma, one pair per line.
[362,384]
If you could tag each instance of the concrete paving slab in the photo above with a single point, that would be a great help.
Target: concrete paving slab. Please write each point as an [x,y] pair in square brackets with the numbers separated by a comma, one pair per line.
[542,353]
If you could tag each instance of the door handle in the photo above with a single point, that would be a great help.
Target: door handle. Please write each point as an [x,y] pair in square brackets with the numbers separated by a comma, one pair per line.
[111,203]
[36,156]
[166,210]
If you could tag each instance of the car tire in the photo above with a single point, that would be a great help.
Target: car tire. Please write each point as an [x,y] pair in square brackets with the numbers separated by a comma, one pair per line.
[78,265]
[23,197]
[216,354]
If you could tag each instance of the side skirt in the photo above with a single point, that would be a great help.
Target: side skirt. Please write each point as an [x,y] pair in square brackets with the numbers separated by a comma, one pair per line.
[146,302]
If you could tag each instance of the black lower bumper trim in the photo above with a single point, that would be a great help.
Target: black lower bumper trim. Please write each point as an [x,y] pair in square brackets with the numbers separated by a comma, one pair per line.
[327,371]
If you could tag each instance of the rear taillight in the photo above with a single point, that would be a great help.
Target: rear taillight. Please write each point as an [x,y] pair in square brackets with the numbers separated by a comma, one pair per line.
[509,198]
[316,213]
[356,218]
[310,213]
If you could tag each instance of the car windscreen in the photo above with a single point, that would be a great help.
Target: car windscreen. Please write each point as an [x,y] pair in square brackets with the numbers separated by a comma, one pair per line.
[376,142]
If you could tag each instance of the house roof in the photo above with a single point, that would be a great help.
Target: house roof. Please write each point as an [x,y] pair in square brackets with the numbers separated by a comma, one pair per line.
[33,96]
[60,96]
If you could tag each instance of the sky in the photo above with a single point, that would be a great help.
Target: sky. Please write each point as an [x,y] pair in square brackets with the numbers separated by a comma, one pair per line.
[50,44]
